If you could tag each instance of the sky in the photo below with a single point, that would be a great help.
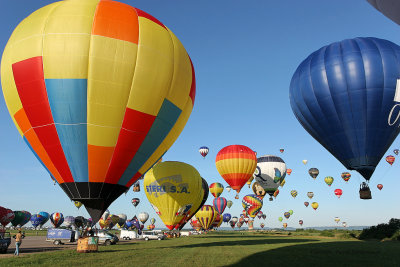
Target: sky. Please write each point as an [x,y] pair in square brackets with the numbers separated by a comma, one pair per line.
[244,54]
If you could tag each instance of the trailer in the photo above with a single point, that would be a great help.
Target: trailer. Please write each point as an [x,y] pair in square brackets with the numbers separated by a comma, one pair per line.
[57,236]
[128,235]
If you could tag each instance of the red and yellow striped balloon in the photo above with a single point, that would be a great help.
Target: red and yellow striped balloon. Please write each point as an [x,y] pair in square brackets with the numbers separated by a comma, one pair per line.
[236,164]
[390,159]
[99,90]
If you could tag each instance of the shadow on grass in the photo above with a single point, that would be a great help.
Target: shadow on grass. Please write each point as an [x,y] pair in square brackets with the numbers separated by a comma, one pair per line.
[347,253]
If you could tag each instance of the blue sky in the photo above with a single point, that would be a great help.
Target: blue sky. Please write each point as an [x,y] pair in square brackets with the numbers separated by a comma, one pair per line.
[244,54]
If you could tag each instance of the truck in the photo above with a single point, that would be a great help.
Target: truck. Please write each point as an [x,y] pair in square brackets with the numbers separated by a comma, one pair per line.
[128,235]
[5,241]
[57,236]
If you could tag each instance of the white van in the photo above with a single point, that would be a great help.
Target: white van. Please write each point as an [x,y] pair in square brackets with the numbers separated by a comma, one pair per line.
[128,235]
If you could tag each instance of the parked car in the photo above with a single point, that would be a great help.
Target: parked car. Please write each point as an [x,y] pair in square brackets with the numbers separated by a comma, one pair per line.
[5,241]
[57,236]
[147,235]
[128,235]
[106,238]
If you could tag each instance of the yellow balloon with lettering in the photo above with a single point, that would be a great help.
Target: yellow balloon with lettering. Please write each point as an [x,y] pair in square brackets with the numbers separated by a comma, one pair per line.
[173,189]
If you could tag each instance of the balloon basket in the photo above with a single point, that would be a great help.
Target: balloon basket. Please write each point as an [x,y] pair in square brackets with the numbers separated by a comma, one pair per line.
[365,192]
[88,244]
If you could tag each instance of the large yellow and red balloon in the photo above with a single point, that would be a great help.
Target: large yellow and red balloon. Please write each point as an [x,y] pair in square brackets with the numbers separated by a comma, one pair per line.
[99,90]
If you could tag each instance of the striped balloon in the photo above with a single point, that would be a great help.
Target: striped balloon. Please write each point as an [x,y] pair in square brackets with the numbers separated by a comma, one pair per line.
[346,176]
[289,171]
[56,219]
[390,159]
[286,214]
[216,189]
[99,90]
[203,151]
[236,164]
[252,204]
[219,204]
[293,193]
[206,216]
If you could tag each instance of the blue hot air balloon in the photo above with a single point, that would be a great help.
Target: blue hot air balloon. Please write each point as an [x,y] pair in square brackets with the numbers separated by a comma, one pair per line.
[226,217]
[45,217]
[343,93]
[36,220]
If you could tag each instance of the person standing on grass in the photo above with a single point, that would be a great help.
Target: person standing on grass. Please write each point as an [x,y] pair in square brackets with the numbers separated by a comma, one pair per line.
[18,240]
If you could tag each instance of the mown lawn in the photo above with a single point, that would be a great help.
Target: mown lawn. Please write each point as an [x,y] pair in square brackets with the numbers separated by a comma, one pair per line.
[226,249]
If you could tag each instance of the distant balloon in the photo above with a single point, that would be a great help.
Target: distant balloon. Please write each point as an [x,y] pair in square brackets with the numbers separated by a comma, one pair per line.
[337,219]
[361,75]
[286,215]
[346,176]
[217,221]
[229,203]
[69,221]
[281,219]
[313,172]
[77,204]
[135,201]
[203,151]
[259,214]
[315,205]
[143,216]
[36,219]
[380,186]
[338,192]
[262,225]
[291,212]
[250,181]
[136,187]
[289,171]
[293,193]
[216,189]
[283,183]
[306,204]
[228,188]
[310,195]
[329,180]
[226,217]
[344,224]
[281,150]
[270,172]
[236,164]
[396,151]
[57,219]
[234,219]
[276,193]
[285,225]
[264,216]
[301,222]
[304,161]
[45,217]
[122,220]
[219,204]
[390,159]
[252,204]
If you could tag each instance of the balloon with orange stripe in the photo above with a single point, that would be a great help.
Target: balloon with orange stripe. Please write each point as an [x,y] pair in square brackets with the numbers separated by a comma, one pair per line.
[390,159]
[236,164]
[99,91]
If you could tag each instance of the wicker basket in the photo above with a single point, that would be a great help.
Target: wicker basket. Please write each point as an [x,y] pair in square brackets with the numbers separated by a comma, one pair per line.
[87,244]
[365,193]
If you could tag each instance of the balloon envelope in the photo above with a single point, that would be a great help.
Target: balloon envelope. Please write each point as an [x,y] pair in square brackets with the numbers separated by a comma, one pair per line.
[219,204]
[203,151]
[270,172]
[56,219]
[6,216]
[101,110]
[342,94]
[206,216]
[252,204]
[216,189]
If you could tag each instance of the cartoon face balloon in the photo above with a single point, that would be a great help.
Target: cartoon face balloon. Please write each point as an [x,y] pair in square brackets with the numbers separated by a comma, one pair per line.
[270,171]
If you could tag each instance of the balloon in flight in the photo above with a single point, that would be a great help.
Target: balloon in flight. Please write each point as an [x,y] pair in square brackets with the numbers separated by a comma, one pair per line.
[216,189]
[203,151]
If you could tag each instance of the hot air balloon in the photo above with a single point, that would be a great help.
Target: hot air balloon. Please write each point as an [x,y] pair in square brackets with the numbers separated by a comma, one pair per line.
[264,216]
[6,216]
[301,222]
[69,221]
[250,181]
[203,151]
[246,219]
[152,220]
[226,217]
[344,224]
[136,187]
[284,225]
[380,186]
[258,190]
[346,176]
[78,204]
[338,192]
[20,218]
[390,159]
[389,8]
[286,215]
[36,219]
[276,193]
[135,201]
[56,219]
[216,189]
[361,75]
[45,218]
[281,219]
[289,171]
[315,205]
[228,188]
[206,216]
[262,225]
[337,219]
[304,161]
[293,193]
[104,223]
[281,150]
[329,180]
[173,188]
[234,219]
[313,172]
[236,164]
[232,224]
[102,110]
[122,220]
[269,173]
[252,204]
[283,183]
[396,151]
[239,224]
[217,221]
[105,215]
[306,204]
[219,204]
[259,214]
[143,217]
[291,212]
[310,195]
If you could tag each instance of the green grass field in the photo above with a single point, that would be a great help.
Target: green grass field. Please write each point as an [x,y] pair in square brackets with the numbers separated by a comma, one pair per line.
[227,249]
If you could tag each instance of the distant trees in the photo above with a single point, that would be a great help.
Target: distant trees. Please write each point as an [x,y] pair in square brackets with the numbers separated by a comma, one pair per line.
[381,231]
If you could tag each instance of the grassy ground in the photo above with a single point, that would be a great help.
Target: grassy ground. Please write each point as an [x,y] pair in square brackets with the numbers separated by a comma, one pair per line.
[29,232]
[228,248]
